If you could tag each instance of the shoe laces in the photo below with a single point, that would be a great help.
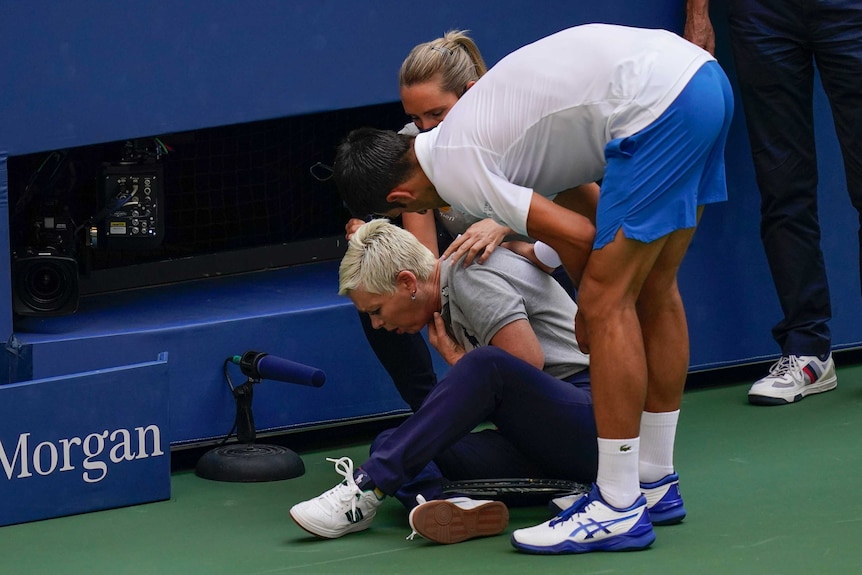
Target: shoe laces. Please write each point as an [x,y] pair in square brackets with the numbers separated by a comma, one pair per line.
[419,500]
[787,364]
[345,491]
[578,506]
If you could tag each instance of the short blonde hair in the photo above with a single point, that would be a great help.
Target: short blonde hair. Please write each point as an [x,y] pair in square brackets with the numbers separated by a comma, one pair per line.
[454,57]
[375,255]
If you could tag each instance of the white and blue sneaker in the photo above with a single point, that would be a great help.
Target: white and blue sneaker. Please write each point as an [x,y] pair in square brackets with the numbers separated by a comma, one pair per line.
[590,524]
[343,509]
[664,501]
[793,377]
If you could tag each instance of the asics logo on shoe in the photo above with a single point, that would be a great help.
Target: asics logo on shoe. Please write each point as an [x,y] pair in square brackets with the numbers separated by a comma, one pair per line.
[625,448]
[590,529]
[353,516]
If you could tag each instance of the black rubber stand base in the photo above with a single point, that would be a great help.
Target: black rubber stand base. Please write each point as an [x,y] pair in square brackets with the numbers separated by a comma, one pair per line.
[249,462]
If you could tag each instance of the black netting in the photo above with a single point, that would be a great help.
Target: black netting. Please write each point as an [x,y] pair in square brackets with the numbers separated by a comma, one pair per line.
[226,188]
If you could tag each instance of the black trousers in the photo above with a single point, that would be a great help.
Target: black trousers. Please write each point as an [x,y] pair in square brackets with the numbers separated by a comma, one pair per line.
[776,45]
[545,428]
[406,358]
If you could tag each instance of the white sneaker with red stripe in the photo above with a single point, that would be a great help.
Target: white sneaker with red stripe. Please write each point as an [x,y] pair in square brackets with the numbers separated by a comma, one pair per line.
[793,377]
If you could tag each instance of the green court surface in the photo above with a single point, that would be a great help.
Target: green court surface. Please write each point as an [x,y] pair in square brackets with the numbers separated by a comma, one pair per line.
[768,491]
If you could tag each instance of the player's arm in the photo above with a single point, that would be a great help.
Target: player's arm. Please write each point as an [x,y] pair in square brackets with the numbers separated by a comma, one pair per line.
[519,339]
[583,199]
[424,227]
[570,234]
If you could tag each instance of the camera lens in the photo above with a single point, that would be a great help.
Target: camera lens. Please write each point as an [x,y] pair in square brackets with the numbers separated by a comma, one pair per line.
[45,285]
[45,282]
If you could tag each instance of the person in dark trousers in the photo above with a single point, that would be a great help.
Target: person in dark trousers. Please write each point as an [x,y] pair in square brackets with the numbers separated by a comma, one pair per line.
[505,328]
[777,44]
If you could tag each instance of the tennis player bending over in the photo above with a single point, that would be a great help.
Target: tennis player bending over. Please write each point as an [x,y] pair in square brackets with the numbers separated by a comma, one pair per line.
[647,113]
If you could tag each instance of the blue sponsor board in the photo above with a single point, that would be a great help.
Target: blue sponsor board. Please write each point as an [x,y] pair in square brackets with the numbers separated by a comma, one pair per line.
[84,442]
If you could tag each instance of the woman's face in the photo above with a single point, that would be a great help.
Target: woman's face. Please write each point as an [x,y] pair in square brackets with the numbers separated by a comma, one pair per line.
[397,312]
[427,103]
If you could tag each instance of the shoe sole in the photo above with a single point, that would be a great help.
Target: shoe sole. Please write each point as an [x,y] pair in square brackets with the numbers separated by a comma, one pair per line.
[672,516]
[819,387]
[616,543]
[447,523]
[308,527]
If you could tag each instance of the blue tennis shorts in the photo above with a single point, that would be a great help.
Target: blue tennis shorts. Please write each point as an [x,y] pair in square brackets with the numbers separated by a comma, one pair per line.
[655,179]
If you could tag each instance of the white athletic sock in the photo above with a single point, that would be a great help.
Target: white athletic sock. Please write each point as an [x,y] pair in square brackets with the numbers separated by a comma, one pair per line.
[658,432]
[618,471]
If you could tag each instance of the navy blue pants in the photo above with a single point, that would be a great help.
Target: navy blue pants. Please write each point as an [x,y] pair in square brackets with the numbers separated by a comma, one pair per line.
[406,358]
[544,429]
[776,45]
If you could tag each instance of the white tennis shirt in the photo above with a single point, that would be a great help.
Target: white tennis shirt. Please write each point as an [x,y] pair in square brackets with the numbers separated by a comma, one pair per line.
[539,120]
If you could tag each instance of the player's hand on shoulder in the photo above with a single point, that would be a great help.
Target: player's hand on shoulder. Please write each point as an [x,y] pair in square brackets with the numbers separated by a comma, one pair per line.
[478,242]
[351,226]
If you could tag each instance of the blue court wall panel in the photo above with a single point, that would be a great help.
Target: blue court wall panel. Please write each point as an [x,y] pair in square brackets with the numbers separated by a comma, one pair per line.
[293,313]
[84,72]
[85,441]
[88,72]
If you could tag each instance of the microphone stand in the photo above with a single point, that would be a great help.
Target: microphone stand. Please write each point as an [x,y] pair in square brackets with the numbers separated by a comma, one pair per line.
[246,461]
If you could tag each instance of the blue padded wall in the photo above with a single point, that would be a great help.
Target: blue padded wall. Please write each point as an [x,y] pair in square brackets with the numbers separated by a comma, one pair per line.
[293,313]
[85,72]
[88,72]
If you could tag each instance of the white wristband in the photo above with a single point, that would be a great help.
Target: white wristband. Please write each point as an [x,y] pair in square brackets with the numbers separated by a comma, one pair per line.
[547,255]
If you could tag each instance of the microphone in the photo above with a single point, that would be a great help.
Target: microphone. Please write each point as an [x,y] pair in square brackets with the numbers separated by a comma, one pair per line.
[259,365]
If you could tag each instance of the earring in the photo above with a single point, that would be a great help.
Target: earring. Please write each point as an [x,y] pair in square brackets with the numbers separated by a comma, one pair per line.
[413,295]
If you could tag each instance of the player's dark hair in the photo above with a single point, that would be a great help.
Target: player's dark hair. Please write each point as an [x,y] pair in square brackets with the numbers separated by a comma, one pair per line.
[370,163]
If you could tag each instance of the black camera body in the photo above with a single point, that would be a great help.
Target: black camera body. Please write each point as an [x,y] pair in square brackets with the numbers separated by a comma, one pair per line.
[133,214]
[45,272]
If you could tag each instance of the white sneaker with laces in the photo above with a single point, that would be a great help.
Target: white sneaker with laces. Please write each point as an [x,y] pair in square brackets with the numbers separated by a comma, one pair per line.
[343,509]
[591,524]
[793,377]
